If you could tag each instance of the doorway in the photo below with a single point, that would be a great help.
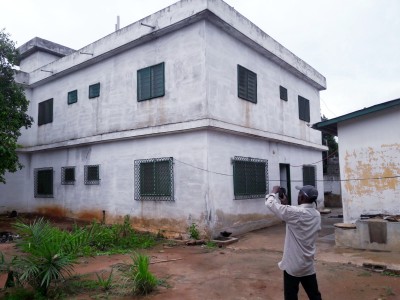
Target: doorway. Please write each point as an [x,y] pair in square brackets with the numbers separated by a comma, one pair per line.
[284,174]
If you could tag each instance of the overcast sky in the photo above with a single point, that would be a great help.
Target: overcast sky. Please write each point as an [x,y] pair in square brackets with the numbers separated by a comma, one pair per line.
[355,44]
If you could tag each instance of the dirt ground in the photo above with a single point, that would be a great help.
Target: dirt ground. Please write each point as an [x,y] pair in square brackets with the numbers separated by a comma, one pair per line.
[246,269]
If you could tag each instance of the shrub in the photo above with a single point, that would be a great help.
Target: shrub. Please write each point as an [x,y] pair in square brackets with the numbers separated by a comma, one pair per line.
[194,232]
[142,279]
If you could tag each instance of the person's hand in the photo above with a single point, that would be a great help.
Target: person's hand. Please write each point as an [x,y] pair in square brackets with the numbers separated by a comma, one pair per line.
[275,189]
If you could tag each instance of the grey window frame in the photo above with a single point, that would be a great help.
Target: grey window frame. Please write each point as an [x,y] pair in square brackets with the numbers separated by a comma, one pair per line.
[91,181]
[252,172]
[45,112]
[246,84]
[283,93]
[304,109]
[161,185]
[72,97]
[151,82]
[309,175]
[37,182]
[94,90]
[64,179]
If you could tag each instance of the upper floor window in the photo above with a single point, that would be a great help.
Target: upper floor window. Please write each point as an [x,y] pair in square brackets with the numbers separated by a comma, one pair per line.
[94,90]
[309,175]
[247,84]
[92,174]
[45,114]
[154,179]
[304,109]
[72,96]
[68,175]
[249,177]
[150,82]
[283,93]
[43,179]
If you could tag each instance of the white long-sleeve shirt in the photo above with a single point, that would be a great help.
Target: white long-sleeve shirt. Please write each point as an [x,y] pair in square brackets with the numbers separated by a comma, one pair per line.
[302,225]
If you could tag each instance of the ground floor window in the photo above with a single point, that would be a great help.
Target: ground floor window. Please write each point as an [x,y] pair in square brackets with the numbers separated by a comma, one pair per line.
[92,174]
[309,175]
[154,179]
[67,175]
[43,179]
[250,176]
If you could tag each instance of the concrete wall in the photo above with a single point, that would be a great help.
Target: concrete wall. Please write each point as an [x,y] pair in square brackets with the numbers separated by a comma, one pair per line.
[369,152]
[200,122]
[202,176]
[270,114]
[37,60]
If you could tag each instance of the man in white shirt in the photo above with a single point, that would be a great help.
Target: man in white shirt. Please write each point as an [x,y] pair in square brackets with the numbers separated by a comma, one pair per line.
[302,225]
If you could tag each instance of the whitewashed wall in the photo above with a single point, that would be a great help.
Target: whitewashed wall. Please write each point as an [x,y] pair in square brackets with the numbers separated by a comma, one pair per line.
[370,148]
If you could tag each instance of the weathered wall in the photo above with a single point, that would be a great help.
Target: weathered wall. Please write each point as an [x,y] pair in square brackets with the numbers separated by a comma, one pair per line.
[270,114]
[37,60]
[369,163]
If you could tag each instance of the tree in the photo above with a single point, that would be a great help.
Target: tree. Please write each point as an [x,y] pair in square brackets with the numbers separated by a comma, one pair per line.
[13,107]
[330,141]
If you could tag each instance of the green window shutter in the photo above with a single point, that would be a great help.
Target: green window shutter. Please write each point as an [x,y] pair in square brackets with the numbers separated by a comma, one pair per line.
[144,84]
[154,179]
[45,113]
[44,182]
[247,84]
[94,90]
[151,82]
[72,97]
[242,82]
[304,109]
[283,93]
[157,76]
[309,175]
[249,177]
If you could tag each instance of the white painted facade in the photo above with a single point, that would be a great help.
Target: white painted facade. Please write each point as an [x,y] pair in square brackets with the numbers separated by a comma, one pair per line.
[200,121]
[369,155]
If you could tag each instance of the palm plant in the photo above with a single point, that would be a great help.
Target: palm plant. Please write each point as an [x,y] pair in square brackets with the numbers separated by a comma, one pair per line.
[51,253]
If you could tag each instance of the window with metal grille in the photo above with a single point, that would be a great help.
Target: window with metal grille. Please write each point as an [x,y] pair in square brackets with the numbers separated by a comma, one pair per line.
[92,174]
[154,179]
[247,84]
[72,97]
[45,114]
[150,82]
[283,93]
[250,176]
[94,90]
[304,109]
[43,179]
[68,175]
[309,175]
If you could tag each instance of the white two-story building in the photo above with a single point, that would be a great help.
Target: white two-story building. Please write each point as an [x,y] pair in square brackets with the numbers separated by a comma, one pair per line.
[189,115]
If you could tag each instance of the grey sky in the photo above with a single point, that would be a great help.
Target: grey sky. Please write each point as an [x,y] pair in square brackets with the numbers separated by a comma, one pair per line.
[355,44]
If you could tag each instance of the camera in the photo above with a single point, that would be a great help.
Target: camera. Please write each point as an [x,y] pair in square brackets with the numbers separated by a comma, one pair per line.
[281,192]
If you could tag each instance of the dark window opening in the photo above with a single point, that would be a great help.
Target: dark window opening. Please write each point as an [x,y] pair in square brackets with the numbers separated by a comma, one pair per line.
[309,175]
[283,93]
[150,82]
[43,183]
[68,175]
[304,109]
[72,97]
[94,90]
[92,174]
[250,177]
[45,114]
[247,84]
[154,179]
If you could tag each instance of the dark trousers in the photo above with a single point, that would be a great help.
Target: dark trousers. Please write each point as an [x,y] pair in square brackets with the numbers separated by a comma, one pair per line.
[309,283]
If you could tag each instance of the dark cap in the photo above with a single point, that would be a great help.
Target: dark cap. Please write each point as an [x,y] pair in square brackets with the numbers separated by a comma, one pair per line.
[310,191]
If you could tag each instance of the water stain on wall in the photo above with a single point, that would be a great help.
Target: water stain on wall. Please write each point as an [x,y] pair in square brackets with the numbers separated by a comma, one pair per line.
[372,170]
